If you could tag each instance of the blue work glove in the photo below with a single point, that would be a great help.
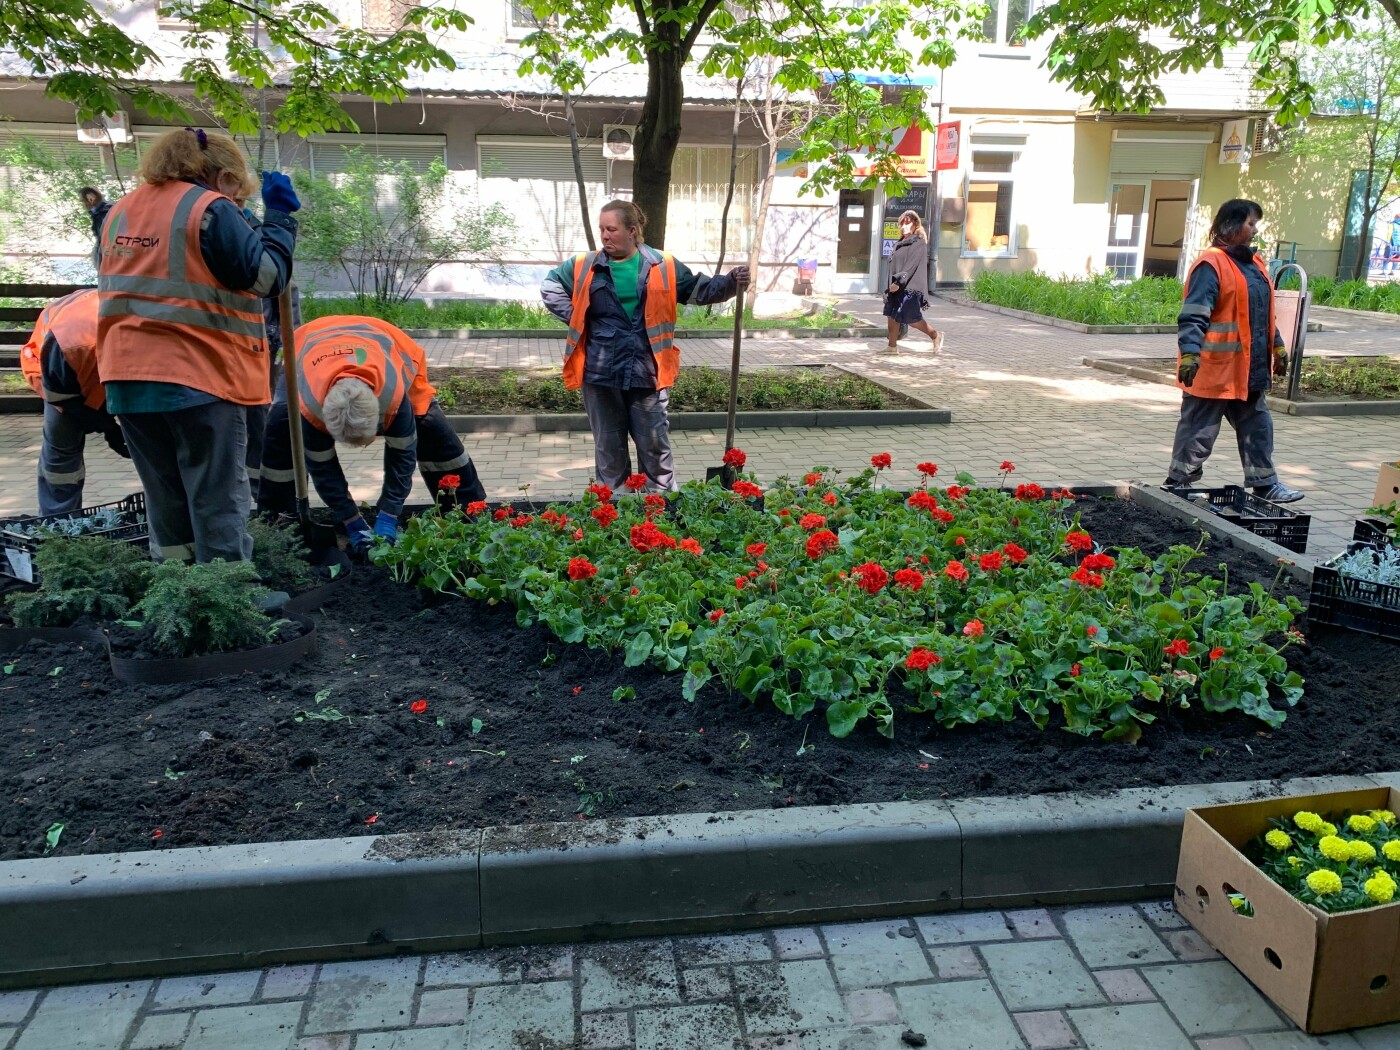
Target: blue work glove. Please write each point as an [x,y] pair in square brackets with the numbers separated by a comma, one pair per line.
[387,526]
[360,535]
[277,192]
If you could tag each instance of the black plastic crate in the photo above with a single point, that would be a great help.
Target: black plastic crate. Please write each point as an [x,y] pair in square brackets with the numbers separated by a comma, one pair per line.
[1269,521]
[17,549]
[1361,605]
[1374,530]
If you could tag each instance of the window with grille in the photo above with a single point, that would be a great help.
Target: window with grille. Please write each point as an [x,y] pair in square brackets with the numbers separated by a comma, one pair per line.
[699,185]
[385,16]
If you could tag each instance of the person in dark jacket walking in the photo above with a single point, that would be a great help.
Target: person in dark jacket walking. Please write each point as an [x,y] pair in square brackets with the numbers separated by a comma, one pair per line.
[906,298]
[620,305]
[1228,349]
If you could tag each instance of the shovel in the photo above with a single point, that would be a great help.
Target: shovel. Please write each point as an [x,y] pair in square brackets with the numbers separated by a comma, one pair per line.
[724,471]
[318,538]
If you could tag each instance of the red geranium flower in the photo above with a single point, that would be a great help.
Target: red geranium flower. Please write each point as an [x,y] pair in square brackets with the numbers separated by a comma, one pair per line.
[921,659]
[928,470]
[635,482]
[691,546]
[1217,653]
[910,579]
[647,537]
[1085,578]
[956,571]
[813,478]
[581,569]
[973,628]
[450,482]
[960,541]
[158,834]
[922,499]
[811,522]
[476,506]
[945,516]
[735,458]
[1074,671]
[578,534]
[635,591]
[1091,630]
[1180,647]
[503,513]
[740,582]
[1079,540]
[1030,491]
[990,562]
[820,543]
[654,501]
[746,489]
[957,491]
[1098,561]
[604,514]
[881,461]
[1015,553]
[418,706]
[601,491]
[1007,466]
[756,550]
[520,521]
[714,616]
[870,577]
[829,499]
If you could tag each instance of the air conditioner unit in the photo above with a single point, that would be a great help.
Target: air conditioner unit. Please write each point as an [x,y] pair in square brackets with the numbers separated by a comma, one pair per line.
[1268,136]
[111,130]
[617,141]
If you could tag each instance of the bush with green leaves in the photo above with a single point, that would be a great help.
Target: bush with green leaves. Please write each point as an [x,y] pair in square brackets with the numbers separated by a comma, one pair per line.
[278,553]
[83,576]
[1097,300]
[210,608]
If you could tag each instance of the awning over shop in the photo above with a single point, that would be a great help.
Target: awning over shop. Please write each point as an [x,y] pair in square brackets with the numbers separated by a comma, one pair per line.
[881,78]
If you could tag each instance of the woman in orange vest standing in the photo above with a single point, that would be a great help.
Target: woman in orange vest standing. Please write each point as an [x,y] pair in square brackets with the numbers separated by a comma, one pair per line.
[620,306]
[1228,349]
[180,327]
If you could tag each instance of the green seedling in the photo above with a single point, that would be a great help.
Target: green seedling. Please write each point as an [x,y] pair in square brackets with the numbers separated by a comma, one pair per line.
[772,783]
[805,749]
[624,692]
[56,671]
[742,743]
[330,714]
[52,836]
[576,759]
[171,774]
[483,751]
[549,658]
[335,571]
[10,668]
[477,726]
[323,695]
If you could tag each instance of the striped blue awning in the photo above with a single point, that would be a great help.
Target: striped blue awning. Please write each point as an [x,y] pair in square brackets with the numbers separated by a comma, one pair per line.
[880,78]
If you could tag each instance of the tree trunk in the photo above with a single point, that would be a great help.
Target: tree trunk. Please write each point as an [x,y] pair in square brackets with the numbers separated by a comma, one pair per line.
[578,173]
[658,135]
[760,223]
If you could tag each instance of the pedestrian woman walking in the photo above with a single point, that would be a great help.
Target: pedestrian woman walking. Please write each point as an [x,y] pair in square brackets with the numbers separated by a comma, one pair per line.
[1228,349]
[180,331]
[906,298]
[620,305]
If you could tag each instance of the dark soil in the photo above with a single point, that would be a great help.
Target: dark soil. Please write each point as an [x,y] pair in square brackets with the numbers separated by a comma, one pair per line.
[228,761]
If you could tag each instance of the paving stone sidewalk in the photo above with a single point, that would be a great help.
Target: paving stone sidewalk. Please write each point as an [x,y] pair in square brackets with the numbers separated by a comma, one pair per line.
[1110,977]
[1017,391]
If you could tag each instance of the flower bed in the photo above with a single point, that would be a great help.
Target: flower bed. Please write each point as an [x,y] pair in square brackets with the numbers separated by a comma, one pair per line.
[424,711]
[855,601]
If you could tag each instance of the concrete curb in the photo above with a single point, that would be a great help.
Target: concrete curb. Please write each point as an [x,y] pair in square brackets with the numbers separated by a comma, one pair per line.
[192,910]
[578,422]
[1279,404]
[1077,326]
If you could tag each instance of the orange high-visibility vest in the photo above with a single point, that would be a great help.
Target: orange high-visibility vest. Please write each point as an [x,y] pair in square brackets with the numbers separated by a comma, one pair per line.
[379,354]
[162,316]
[659,314]
[72,321]
[1224,371]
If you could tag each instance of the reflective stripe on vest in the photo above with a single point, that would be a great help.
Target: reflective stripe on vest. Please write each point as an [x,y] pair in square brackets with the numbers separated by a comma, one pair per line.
[163,316]
[1225,351]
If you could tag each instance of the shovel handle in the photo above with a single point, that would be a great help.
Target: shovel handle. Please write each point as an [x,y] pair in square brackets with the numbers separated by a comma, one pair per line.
[734,369]
[289,371]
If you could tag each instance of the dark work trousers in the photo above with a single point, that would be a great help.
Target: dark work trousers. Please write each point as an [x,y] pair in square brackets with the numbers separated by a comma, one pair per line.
[615,415]
[440,452]
[61,470]
[1199,426]
[191,464]
[256,416]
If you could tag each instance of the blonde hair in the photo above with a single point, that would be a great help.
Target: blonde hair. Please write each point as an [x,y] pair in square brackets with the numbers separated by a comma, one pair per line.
[351,412]
[913,217]
[194,154]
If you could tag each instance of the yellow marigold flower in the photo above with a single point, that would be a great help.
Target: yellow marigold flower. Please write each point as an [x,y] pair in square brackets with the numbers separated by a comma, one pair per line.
[1323,882]
[1392,850]
[1327,828]
[1278,839]
[1383,816]
[1361,824]
[1361,850]
[1308,821]
[1334,848]
[1380,887]
[1295,862]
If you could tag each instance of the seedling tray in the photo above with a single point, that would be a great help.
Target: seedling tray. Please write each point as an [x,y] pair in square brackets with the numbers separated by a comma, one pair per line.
[1360,605]
[18,548]
[1269,521]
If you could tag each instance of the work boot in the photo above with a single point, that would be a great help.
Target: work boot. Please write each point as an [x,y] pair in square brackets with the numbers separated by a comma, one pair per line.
[1278,492]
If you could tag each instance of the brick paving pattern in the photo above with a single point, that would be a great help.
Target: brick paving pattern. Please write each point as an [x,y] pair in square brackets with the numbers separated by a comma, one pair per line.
[1093,978]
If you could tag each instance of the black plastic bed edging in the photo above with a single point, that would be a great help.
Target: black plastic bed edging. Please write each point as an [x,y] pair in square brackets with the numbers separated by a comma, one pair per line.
[277,657]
